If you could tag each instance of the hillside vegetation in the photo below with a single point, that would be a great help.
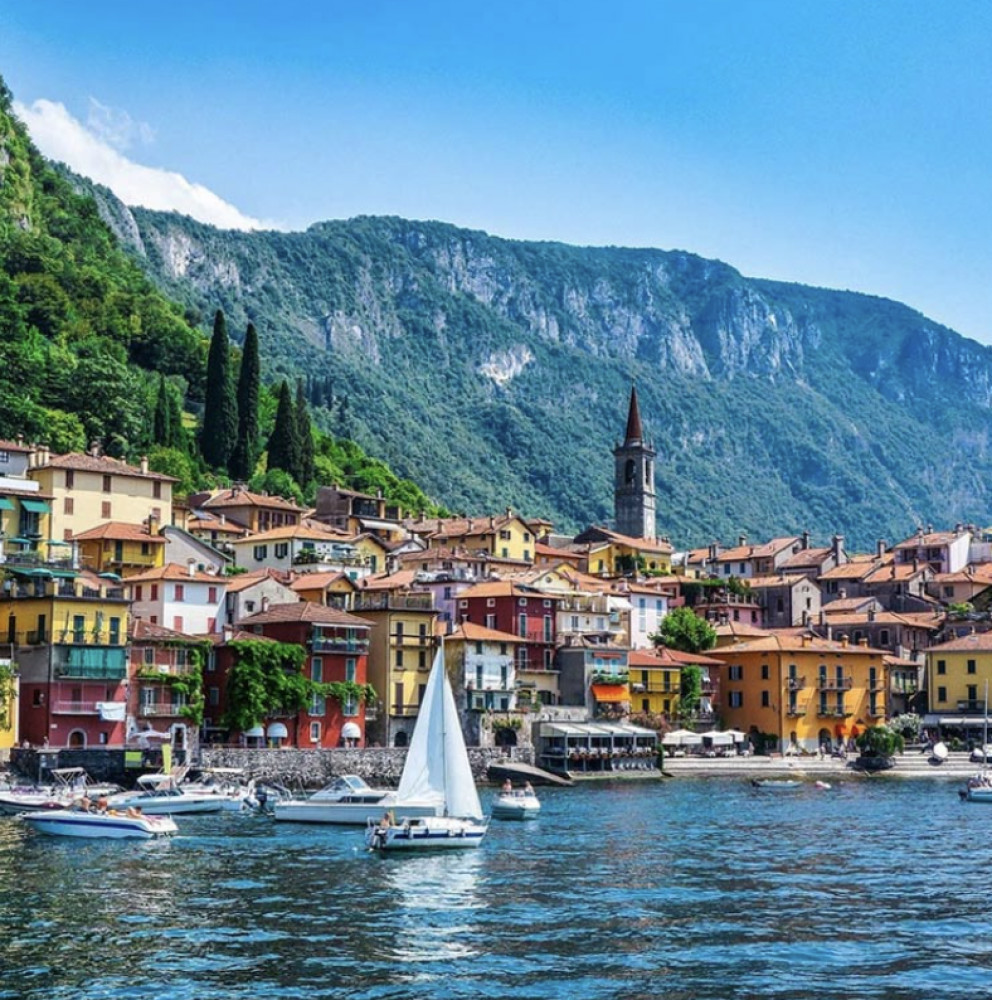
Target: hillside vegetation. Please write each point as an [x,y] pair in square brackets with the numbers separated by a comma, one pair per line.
[496,373]
[92,350]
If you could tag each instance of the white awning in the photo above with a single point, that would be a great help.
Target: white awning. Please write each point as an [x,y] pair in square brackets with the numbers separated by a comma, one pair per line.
[277,731]
[350,731]
[256,733]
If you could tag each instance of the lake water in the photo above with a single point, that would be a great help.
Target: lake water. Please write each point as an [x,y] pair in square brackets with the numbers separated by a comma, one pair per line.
[682,889]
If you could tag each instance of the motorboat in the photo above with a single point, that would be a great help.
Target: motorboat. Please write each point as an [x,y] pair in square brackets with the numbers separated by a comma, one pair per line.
[226,782]
[110,824]
[68,784]
[349,801]
[437,771]
[777,784]
[518,803]
[161,794]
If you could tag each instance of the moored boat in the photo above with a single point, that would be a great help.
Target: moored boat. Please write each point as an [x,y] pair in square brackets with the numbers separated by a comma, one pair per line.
[68,784]
[777,784]
[159,794]
[349,801]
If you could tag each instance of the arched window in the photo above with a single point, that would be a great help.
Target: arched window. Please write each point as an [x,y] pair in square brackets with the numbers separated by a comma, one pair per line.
[77,738]
[400,740]
[629,471]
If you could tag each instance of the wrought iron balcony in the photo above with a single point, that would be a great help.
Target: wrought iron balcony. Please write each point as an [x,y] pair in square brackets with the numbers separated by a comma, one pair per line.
[796,709]
[796,683]
[164,708]
[834,683]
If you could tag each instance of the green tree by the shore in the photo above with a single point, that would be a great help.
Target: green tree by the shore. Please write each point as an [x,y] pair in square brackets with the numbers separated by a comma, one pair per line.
[220,413]
[284,443]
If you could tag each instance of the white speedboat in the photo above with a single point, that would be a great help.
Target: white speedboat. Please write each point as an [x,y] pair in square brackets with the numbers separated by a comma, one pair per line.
[111,824]
[777,784]
[517,804]
[159,794]
[436,770]
[349,801]
[228,783]
[68,784]
[978,789]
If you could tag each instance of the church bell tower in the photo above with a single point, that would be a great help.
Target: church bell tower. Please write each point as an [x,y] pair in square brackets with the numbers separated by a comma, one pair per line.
[633,489]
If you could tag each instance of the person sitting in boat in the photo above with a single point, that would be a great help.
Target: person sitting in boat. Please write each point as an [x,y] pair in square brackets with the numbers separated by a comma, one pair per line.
[85,805]
[387,820]
[528,788]
[101,805]
[507,786]
[134,812]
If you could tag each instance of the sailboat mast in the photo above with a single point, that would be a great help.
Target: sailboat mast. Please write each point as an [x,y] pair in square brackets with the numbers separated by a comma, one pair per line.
[444,724]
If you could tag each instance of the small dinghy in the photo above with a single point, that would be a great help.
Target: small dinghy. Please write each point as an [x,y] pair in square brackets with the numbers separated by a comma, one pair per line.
[520,803]
[777,784]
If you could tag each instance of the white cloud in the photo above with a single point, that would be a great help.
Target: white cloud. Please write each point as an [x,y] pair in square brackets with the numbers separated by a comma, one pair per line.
[89,151]
[116,127]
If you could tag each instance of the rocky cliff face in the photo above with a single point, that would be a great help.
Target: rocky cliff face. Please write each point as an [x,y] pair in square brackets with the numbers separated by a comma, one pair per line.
[496,372]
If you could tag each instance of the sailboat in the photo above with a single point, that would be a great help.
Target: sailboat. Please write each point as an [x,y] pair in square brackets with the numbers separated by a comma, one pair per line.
[979,788]
[436,770]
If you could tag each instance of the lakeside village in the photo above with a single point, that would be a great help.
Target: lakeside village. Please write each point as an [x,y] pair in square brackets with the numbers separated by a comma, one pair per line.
[134,619]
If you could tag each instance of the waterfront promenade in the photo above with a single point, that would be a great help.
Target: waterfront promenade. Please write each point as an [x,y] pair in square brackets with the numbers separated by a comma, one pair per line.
[958,766]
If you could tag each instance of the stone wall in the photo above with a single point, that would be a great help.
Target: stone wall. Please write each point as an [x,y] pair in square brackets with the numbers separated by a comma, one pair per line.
[313,768]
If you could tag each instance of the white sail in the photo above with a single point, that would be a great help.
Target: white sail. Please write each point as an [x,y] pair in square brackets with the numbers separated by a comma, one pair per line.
[437,766]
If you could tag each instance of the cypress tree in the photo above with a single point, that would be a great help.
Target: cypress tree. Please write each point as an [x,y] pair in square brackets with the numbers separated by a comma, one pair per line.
[177,433]
[162,418]
[220,410]
[304,435]
[284,444]
[246,449]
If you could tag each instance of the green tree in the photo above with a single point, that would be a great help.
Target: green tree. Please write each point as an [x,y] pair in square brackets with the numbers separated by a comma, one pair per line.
[284,444]
[162,418]
[683,629]
[304,434]
[245,453]
[690,691]
[879,741]
[220,411]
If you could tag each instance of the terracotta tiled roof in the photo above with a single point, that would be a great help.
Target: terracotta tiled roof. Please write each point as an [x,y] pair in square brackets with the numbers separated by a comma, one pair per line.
[978,642]
[503,588]
[896,571]
[304,611]
[847,605]
[102,464]
[201,520]
[15,446]
[119,531]
[245,498]
[782,641]
[402,580]
[807,558]
[741,553]
[235,584]
[664,657]
[294,531]
[318,581]
[140,630]
[470,632]
[767,582]
[857,567]
[181,574]
[741,629]
[932,540]
[980,574]
[234,635]
[641,544]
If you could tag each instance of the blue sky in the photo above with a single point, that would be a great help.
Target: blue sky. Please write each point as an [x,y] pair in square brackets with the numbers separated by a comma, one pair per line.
[840,144]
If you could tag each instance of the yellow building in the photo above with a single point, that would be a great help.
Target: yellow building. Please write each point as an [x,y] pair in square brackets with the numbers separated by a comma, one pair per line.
[957,673]
[613,554]
[69,632]
[802,690]
[401,650]
[121,548]
[88,490]
[26,525]
[502,536]
[335,589]
[9,691]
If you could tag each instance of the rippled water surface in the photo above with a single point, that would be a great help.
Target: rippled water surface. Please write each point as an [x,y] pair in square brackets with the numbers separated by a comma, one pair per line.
[686,889]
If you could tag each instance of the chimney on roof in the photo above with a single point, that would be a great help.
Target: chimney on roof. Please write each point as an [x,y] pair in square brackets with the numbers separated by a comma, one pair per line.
[713,551]
[191,567]
[958,528]
[265,604]
[916,564]
[880,548]
[94,449]
[509,512]
[33,457]
[929,529]
[842,594]
[742,540]
[144,465]
[871,614]
[153,524]
[492,521]
[844,641]
[806,640]
[805,539]
[837,547]
[863,643]
[823,617]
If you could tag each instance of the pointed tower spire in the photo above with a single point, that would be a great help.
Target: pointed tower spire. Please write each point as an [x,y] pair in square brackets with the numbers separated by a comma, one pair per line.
[634,432]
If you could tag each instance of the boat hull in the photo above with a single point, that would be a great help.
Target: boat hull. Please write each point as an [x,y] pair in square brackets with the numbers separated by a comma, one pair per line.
[346,813]
[67,823]
[428,834]
[516,807]
[171,805]
[774,785]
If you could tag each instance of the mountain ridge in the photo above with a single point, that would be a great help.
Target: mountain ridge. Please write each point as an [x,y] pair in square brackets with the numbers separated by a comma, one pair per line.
[495,372]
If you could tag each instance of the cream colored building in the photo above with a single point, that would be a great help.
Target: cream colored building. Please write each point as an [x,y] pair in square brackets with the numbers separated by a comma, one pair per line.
[88,490]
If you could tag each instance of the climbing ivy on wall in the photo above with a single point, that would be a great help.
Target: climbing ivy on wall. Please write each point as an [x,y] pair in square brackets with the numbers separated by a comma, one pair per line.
[189,684]
[264,680]
[7,672]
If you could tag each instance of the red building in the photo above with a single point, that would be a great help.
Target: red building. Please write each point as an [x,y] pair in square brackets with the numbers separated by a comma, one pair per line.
[520,610]
[337,650]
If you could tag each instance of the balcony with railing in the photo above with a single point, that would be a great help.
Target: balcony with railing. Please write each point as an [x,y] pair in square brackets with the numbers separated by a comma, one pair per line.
[827,683]
[833,712]
[393,602]
[324,643]
[168,709]
[151,671]
[974,705]
[795,709]
[796,683]
[410,639]
[75,708]
[608,677]
[875,710]
[100,663]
